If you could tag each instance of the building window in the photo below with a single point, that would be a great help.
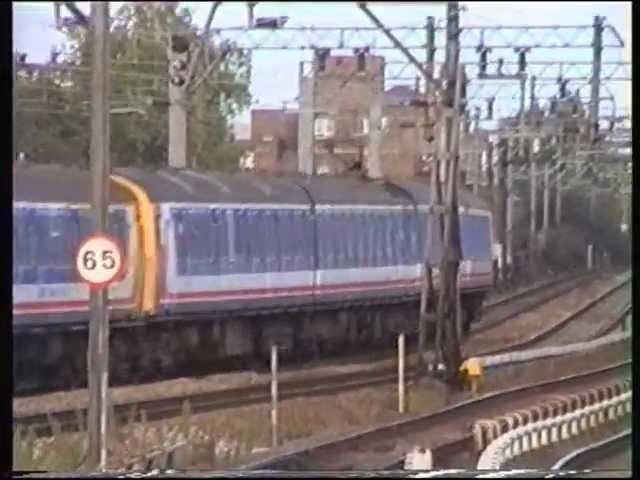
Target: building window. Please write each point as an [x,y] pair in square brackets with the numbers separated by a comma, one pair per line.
[363,125]
[324,127]
[280,146]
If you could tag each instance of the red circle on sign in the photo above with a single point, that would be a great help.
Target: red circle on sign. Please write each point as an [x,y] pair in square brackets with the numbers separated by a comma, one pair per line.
[115,275]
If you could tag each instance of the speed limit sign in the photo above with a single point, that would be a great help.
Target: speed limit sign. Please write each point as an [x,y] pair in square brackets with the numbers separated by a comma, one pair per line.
[99,260]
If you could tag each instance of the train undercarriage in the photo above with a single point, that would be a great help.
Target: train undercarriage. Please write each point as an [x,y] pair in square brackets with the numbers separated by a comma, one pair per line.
[164,348]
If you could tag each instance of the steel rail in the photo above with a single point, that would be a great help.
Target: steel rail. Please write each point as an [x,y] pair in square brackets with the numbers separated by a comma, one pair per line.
[383,438]
[169,407]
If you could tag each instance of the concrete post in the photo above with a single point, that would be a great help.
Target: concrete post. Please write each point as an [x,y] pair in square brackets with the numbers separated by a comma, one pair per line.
[374,166]
[401,402]
[305,124]
[274,396]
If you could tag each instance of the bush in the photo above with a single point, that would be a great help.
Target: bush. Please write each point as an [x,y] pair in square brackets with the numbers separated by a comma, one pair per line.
[566,248]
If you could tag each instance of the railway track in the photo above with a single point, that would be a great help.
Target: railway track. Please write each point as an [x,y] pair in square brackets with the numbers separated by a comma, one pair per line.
[609,454]
[501,310]
[445,432]
[169,407]
[613,305]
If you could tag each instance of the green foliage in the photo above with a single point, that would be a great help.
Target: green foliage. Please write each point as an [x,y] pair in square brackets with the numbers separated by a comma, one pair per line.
[567,245]
[60,131]
[566,248]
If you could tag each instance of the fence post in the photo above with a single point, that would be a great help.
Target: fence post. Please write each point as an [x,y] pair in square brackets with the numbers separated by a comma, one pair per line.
[274,396]
[401,373]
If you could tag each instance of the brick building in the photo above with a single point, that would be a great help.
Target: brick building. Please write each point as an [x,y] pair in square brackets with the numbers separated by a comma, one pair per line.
[346,95]
[274,140]
[342,94]
[402,146]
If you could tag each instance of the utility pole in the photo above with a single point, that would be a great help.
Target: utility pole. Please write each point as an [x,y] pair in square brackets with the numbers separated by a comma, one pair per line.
[428,76]
[314,114]
[508,250]
[434,198]
[477,153]
[98,352]
[545,213]
[598,28]
[561,141]
[451,252]
[532,173]
[15,80]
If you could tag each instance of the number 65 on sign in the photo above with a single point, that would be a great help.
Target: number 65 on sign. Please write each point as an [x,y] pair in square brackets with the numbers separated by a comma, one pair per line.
[99,261]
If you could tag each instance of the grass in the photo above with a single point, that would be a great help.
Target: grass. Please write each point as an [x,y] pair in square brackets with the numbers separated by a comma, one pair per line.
[220,439]
[61,452]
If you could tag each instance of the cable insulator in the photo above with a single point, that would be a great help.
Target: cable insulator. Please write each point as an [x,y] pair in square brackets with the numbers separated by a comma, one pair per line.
[522,62]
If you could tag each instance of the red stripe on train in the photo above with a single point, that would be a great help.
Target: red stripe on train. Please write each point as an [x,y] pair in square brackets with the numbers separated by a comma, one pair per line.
[267,292]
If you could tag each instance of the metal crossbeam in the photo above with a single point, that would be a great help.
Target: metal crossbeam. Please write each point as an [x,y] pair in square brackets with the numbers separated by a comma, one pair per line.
[342,38]
[542,70]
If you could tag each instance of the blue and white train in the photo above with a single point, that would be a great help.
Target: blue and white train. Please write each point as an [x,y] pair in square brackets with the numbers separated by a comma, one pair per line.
[219,266]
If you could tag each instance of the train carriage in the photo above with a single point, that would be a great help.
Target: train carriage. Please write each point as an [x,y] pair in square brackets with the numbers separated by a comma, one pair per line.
[51,217]
[220,266]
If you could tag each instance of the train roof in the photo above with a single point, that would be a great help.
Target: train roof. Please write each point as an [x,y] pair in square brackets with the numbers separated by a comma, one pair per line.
[195,186]
[351,190]
[52,183]
[420,190]
[56,183]
[192,186]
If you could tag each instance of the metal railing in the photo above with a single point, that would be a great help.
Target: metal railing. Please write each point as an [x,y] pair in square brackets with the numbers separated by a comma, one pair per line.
[524,435]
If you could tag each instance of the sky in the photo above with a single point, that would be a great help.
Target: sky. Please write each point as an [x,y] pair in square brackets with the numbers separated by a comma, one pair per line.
[275,73]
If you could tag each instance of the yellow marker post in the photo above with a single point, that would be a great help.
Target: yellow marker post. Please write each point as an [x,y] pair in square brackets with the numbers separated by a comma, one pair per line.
[471,370]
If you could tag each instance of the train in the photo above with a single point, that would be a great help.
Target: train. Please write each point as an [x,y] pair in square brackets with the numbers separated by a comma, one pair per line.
[218,267]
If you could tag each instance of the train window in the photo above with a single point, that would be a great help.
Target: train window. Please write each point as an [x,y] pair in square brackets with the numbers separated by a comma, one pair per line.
[323,240]
[338,239]
[475,237]
[394,236]
[379,250]
[24,246]
[346,247]
[218,251]
[272,244]
[303,238]
[344,257]
[230,240]
[361,234]
[374,227]
[421,254]
[303,227]
[284,233]
[329,239]
[370,253]
[262,247]
[45,241]
[402,243]
[412,227]
[242,246]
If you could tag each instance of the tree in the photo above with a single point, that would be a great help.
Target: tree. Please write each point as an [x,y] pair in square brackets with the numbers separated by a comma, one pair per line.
[49,122]
[140,37]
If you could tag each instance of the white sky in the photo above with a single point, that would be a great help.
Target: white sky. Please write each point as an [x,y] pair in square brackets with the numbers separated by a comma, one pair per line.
[275,73]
